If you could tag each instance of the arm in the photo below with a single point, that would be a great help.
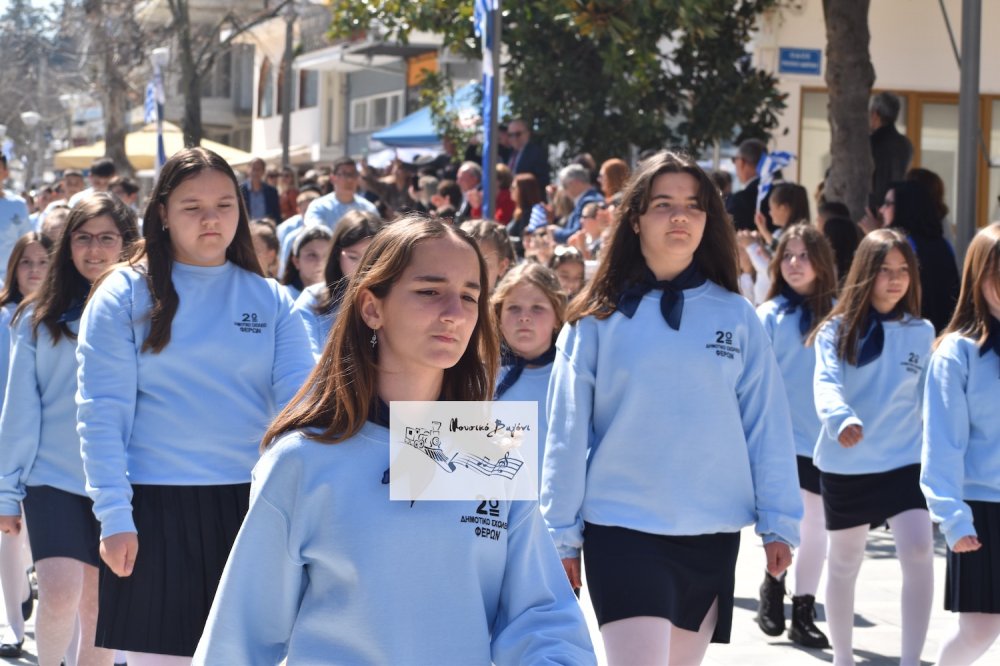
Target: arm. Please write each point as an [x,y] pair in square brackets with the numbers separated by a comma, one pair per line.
[107,387]
[946,440]
[305,308]
[292,359]
[570,406]
[21,423]
[828,387]
[539,619]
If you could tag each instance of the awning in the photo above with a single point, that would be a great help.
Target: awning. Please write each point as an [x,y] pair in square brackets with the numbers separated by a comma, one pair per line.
[417,129]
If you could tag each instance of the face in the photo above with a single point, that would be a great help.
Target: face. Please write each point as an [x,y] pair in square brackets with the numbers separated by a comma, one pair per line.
[467,179]
[345,180]
[72,185]
[201,216]
[891,283]
[590,225]
[257,170]
[426,320]
[570,276]
[32,267]
[527,321]
[671,230]
[991,292]
[350,256]
[495,266]
[888,208]
[266,257]
[779,214]
[100,183]
[518,135]
[311,261]
[94,246]
[796,268]
[303,206]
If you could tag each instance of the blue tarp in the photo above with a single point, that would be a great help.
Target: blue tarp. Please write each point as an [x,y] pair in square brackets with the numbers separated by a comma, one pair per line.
[417,129]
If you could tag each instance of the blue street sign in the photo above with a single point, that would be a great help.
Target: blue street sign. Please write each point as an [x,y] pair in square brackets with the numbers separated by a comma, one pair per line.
[799,61]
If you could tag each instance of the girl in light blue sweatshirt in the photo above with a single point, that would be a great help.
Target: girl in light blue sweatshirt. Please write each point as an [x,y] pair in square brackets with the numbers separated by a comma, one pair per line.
[803,280]
[669,428]
[39,447]
[186,354]
[26,270]
[960,468]
[318,303]
[326,569]
[529,306]
[871,354]
[307,261]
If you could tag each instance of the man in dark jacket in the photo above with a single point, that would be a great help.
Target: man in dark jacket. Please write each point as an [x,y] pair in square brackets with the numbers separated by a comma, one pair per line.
[526,157]
[742,206]
[260,198]
[891,151]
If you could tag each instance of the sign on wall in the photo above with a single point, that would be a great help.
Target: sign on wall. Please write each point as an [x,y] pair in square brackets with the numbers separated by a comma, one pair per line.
[799,61]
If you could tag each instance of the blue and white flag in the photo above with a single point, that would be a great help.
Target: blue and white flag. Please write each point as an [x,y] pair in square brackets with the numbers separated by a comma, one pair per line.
[153,108]
[8,149]
[769,164]
[149,114]
[482,18]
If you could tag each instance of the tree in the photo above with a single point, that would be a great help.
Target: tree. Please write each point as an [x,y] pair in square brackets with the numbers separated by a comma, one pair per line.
[849,78]
[604,75]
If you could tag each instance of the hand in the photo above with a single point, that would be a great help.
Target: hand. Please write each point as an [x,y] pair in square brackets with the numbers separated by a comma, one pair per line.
[475,198]
[851,435]
[579,241]
[869,222]
[779,557]
[966,544]
[761,222]
[572,567]
[118,551]
[745,238]
[10,524]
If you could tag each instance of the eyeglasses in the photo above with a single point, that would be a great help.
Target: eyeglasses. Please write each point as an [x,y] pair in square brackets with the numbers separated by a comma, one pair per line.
[349,174]
[83,239]
[515,134]
[888,203]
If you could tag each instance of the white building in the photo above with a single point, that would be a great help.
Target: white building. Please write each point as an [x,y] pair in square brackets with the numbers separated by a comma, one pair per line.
[913,57]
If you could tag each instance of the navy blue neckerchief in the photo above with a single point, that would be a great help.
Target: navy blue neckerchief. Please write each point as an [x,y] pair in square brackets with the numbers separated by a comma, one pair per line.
[874,341]
[73,313]
[993,339]
[672,301]
[797,301]
[514,365]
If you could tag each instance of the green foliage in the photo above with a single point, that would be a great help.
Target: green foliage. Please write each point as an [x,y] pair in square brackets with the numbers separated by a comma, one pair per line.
[603,75]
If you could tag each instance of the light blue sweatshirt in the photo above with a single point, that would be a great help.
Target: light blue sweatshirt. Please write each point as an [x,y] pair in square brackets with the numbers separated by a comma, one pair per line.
[883,397]
[961,452]
[38,441]
[797,363]
[194,414]
[533,386]
[326,570]
[6,314]
[317,326]
[669,432]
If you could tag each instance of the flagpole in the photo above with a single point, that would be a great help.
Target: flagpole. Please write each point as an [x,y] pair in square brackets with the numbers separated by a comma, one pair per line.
[160,57]
[490,212]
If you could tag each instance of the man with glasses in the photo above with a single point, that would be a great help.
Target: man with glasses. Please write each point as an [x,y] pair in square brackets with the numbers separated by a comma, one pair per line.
[14,219]
[328,209]
[526,157]
[743,205]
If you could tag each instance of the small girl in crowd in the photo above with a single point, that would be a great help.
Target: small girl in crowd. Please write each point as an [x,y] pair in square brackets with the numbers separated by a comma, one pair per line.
[803,284]
[265,246]
[39,446]
[186,354]
[871,353]
[495,246]
[789,204]
[307,261]
[26,270]
[569,266]
[960,474]
[654,462]
[307,579]
[318,303]
[530,308]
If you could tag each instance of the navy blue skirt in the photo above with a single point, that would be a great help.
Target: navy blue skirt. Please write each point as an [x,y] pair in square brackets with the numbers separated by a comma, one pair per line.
[61,524]
[808,474]
[850,500]
[185,535]
[635,574]
[972,580]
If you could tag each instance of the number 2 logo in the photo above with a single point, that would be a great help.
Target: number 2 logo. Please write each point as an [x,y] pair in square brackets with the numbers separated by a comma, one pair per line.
[724,337]
[249,317]
[914,359]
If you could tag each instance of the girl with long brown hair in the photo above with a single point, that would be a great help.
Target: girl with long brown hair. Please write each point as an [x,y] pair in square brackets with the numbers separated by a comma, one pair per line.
[186,354]
[960,466]
[668,427]
[871,353]
[414,324]
[39,445]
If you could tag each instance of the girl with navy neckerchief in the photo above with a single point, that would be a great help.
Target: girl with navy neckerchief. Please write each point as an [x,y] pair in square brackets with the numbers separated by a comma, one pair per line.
[871,355]
[530,308]
[960,467]
[39,446]
[669,429]
[352,577]
[803,284]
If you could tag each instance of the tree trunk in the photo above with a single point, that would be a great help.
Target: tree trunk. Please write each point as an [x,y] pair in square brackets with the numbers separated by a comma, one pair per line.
[190,76]
[113,89]
[849,78]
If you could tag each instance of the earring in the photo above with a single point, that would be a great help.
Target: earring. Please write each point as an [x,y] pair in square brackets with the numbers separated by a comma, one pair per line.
[374,340]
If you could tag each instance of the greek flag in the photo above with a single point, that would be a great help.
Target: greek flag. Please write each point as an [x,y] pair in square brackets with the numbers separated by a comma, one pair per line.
[149,114]
[770,163]
[153,111]
[482,19]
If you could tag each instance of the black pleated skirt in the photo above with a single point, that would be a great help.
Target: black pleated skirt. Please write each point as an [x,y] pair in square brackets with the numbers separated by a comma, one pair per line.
[972,580]
[850,500]
[635,574]
[61,524]
[808,474]
[185,535]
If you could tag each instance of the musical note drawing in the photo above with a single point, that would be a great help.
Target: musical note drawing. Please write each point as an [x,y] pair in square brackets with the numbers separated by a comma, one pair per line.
[428,441]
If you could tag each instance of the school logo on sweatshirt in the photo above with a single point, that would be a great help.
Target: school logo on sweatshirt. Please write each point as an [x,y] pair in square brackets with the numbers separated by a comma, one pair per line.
[912,363]
[723,345]
[488,520]
[249,323]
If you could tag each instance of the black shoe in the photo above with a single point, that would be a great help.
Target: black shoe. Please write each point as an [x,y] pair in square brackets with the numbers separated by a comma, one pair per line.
[28,605]
[803,630]
[11,650]
[771,611]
